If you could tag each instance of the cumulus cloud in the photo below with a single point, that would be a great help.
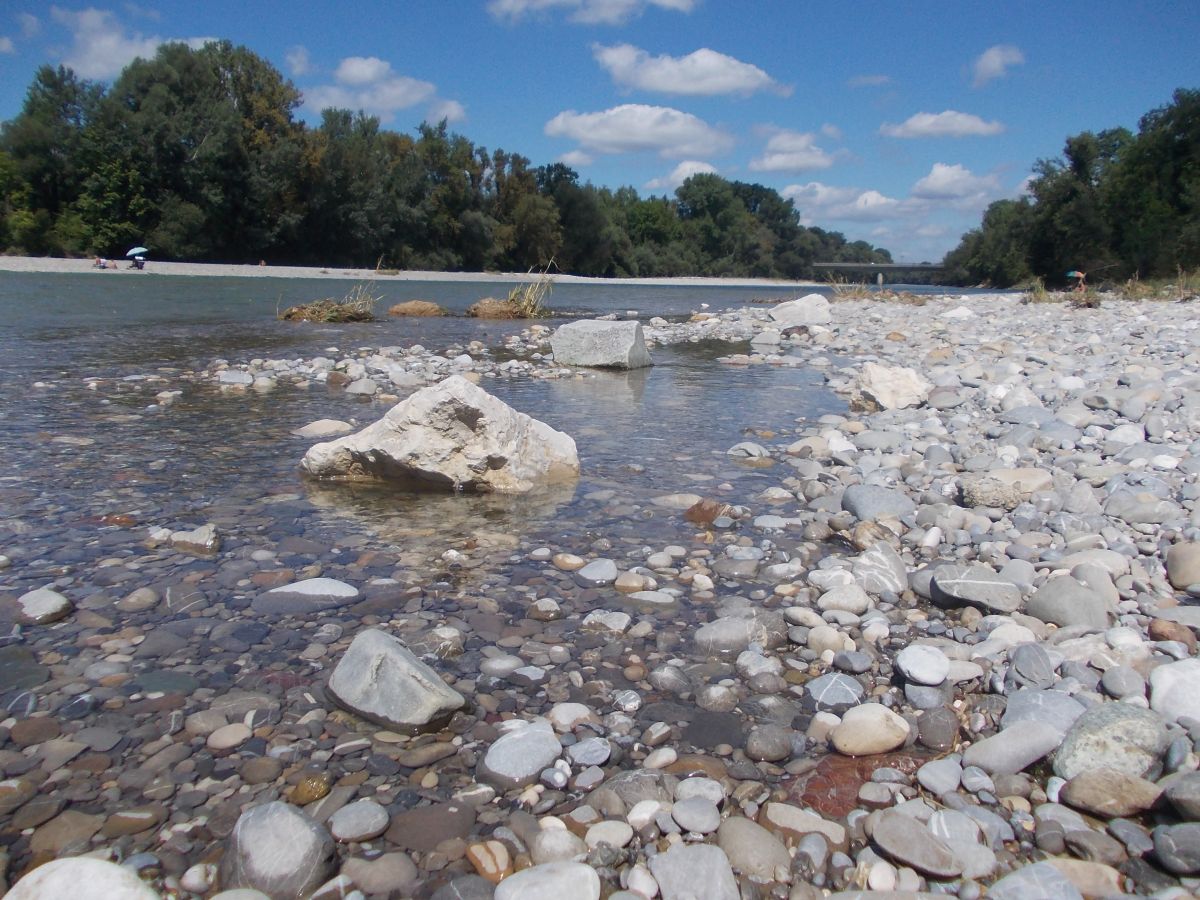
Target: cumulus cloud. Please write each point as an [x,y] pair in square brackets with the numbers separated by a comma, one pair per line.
[680,174]
[791,151]
[359,70]
[6,45]
[946,182]
[584,12]
[450,110]
[576,159]
[634,127]
[817,202]
[370,84]
[100,44]
[702,73]
[869,80]
[298,61]
[944,124]
[995,62]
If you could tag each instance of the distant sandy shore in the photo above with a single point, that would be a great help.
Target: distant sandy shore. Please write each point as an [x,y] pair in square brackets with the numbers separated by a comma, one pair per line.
[49,264]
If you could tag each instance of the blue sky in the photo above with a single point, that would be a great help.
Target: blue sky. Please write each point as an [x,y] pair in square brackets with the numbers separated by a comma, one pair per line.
[892,122]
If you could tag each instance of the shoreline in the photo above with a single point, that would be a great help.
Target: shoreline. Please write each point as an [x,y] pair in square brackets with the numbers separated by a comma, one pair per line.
[56,265]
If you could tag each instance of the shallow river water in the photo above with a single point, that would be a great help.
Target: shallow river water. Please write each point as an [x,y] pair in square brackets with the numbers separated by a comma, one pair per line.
[81,358]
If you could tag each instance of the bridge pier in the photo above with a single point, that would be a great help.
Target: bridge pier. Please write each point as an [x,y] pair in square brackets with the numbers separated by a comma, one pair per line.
[879,279]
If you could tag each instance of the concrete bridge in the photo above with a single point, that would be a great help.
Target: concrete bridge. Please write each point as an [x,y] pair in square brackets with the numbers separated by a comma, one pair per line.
[876,269]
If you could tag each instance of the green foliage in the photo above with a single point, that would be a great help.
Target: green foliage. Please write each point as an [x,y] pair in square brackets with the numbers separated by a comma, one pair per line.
[1116,203]
[196,154]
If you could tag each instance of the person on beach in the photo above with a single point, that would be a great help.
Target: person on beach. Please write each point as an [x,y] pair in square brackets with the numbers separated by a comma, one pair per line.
[1079,279]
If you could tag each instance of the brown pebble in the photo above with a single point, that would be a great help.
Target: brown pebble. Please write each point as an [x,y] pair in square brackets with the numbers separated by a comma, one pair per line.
[310,788]
[260,770]
[28,732]
[1162,630]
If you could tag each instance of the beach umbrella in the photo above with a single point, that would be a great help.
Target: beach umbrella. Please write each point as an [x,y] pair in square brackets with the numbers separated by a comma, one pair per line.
[137,251]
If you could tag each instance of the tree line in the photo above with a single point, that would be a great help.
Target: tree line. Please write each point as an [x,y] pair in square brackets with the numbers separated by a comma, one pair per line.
[197,154]
[1115,205]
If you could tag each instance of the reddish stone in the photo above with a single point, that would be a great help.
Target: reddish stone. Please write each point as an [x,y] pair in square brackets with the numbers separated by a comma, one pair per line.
[703,512]
[831,787]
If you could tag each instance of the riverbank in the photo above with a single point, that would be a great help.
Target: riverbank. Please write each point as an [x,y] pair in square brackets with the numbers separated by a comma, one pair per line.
[222,270]
[887,647]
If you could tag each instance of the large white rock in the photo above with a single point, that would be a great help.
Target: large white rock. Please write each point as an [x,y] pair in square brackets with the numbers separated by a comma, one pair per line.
[82,878]
[869,729]
[890,387]
[811,309]
[601,343]
[451,436]
[380,679]
[276,849]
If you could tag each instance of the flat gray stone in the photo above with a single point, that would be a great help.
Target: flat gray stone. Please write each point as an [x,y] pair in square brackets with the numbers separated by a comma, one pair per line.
[1065,602]
[1014,748]
[1038,880]
[1054,708]
[692,871]
[907,841]
[974,585]
[870,501]
[518,757]
[305,598]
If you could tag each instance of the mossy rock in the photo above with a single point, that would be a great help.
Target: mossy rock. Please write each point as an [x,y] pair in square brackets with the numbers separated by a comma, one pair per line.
[416,308]
[326,311]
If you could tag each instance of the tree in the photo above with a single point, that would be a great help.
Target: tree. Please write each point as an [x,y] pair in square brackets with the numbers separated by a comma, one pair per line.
[44,143]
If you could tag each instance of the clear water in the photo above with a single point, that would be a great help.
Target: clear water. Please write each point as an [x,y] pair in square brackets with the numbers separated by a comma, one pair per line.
[83,445]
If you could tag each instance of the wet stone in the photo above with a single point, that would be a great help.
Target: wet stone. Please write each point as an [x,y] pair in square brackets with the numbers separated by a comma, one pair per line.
[711,729]
[833,693]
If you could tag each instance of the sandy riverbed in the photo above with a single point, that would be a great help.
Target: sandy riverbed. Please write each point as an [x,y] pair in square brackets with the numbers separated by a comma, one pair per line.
[51,264]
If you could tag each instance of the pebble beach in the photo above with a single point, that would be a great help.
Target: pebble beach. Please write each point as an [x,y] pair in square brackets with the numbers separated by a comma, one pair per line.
[939,640]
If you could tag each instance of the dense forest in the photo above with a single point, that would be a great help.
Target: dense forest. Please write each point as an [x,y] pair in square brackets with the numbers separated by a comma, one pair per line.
[1116,205]
[196,153]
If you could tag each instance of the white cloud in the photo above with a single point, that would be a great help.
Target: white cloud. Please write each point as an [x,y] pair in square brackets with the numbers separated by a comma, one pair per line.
[450,110]
[817,203]
[100,45]
[585,12]
[576,159]
[30,24]
[831,131]
[791,151]
[636,127]
[869,80]
[995,62]
[370,84]
[357,70]
[702,73]
[944,124]
[680,174]
[6,45]
[298,61]
[946,182]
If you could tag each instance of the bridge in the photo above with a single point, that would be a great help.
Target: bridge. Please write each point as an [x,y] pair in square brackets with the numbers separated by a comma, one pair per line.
[877,269]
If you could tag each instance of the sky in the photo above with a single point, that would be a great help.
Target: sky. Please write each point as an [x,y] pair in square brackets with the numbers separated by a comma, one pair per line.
[895,123]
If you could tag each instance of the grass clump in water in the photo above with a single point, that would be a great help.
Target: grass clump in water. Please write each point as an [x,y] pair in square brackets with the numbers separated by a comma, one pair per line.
[358,305]
[529,299]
